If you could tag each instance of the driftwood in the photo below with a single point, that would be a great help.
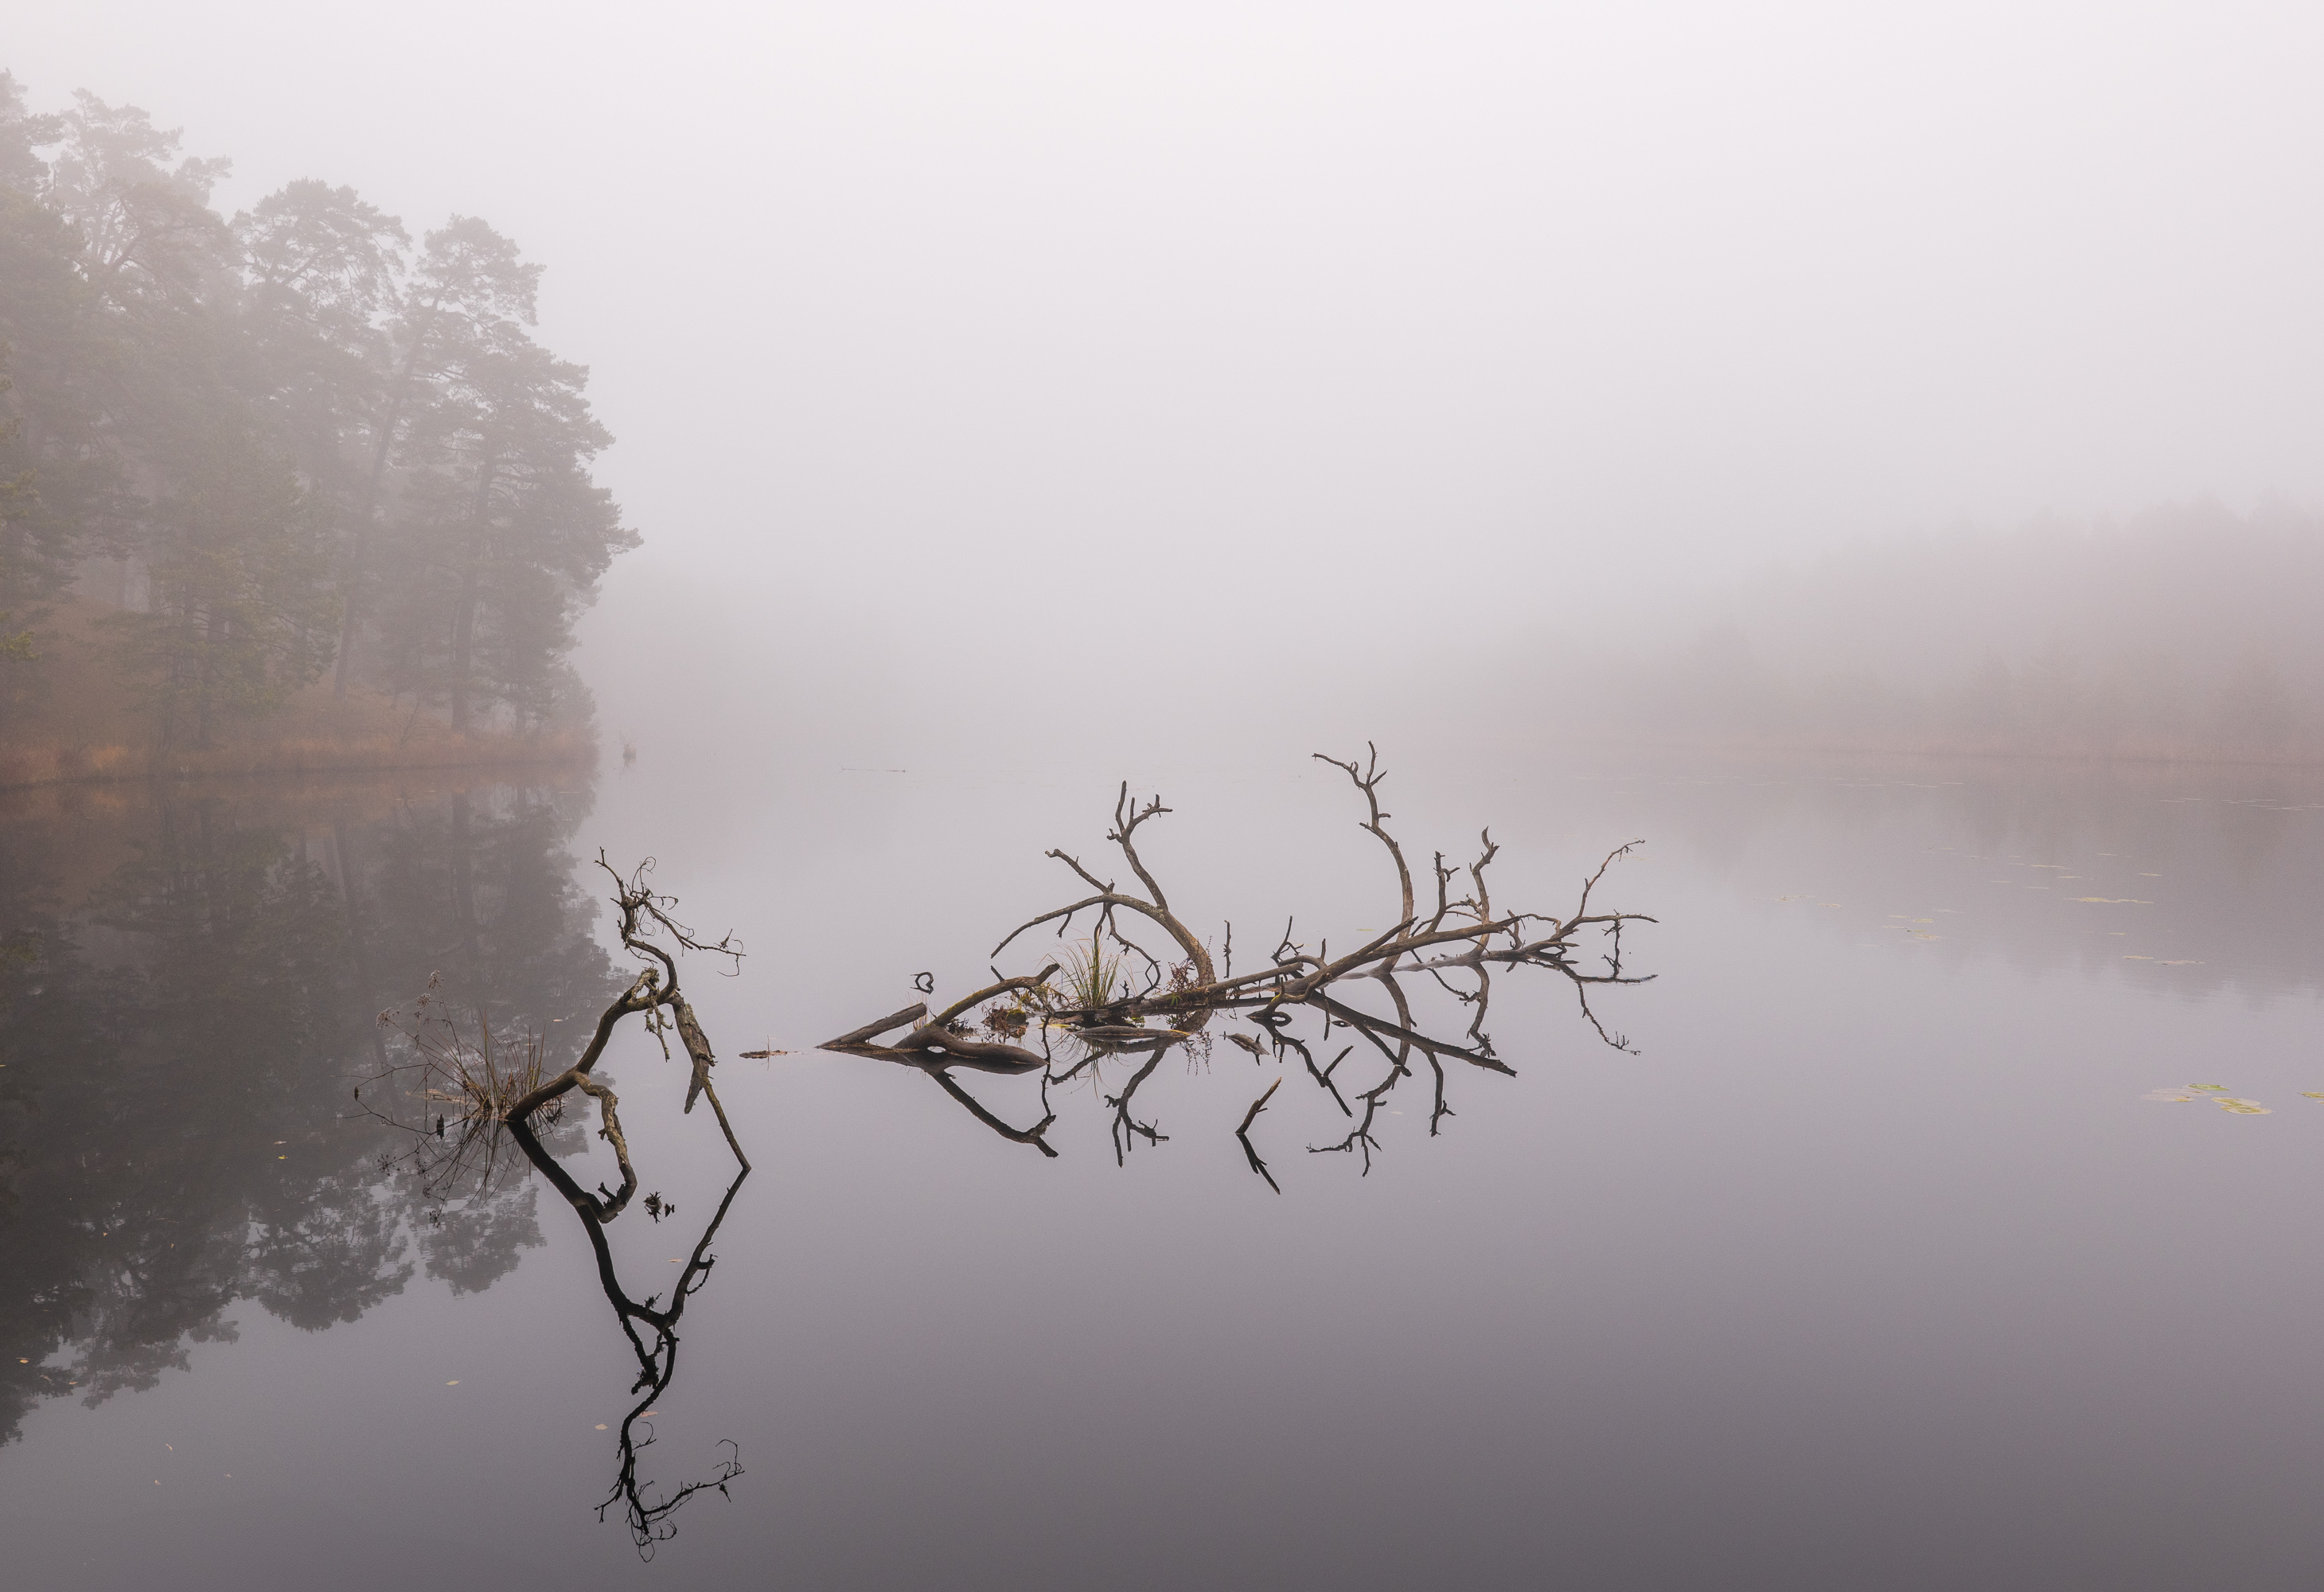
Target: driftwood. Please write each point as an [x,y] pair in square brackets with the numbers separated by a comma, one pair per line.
[1462,937]
[655,994]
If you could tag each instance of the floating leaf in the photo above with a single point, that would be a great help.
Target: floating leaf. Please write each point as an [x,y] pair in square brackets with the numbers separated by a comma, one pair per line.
[2221,1087]
[2245,1107]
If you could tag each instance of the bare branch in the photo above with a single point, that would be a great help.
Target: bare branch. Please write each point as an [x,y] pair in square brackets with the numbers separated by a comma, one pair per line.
[1244,1132]
[1367,781]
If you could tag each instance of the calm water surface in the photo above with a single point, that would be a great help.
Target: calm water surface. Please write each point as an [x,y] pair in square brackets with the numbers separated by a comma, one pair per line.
[1849,1256]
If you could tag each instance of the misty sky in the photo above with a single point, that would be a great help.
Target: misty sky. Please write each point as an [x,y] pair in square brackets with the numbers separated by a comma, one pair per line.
[904,313]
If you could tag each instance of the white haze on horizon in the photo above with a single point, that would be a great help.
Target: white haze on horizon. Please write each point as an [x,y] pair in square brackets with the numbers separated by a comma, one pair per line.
[1006,351]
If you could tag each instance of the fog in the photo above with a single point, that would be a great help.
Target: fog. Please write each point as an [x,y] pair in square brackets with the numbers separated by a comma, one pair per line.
[2187,632]
[1081,369]
[1798,493]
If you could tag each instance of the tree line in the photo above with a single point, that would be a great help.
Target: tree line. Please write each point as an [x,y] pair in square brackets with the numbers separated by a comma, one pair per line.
[2186,632]
[297,445]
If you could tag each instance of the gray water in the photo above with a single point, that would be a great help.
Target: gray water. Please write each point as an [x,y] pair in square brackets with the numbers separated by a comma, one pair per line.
[1847,1255]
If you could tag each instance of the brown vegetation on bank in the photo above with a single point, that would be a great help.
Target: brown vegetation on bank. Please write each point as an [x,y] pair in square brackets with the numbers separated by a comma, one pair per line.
[69,718]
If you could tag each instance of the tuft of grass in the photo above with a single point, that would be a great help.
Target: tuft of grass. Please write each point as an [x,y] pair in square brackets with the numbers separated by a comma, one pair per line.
[1088,978]
[481,1072]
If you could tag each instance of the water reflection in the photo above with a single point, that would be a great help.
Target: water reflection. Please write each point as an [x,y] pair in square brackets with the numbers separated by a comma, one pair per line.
[646,1510]
[207,1005]
[1851,1195]
[1115,1000]
[188,983]
[2192,880]
[192,985]
[501,1093]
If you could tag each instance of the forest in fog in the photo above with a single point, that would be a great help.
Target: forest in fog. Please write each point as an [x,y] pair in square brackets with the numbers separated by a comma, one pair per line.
[293,488]
[2185,633]
[286,455]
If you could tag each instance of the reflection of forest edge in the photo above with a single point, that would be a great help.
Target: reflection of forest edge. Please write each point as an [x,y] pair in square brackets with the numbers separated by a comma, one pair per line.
[189,979]
[2225,862]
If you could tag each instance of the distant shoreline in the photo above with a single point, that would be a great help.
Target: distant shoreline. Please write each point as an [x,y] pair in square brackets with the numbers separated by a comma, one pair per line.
[2149,756]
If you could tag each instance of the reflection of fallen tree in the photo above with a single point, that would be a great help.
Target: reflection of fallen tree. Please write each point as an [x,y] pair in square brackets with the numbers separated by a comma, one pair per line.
[480,1083]
[458,1075]
[651,1329]
[655,994]
[1101,1013]
[493,1087]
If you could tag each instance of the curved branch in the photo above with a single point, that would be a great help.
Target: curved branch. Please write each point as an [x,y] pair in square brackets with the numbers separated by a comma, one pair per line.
[1367,781]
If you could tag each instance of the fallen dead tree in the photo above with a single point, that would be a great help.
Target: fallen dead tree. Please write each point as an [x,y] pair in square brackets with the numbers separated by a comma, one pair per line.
[1168,1001]
[654,993]
[481,1082]
[492,1086]
[650,1326]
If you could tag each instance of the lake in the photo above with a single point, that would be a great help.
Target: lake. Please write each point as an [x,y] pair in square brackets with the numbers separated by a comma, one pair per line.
[1940,1212]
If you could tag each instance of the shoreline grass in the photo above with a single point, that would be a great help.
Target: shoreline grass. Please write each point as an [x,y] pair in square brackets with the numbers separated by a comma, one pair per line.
[66,720]
[25,766]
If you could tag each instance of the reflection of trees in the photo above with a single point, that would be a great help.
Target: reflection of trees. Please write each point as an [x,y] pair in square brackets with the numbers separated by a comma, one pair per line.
[2227,855]
[178,1039]
[1102,1012]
